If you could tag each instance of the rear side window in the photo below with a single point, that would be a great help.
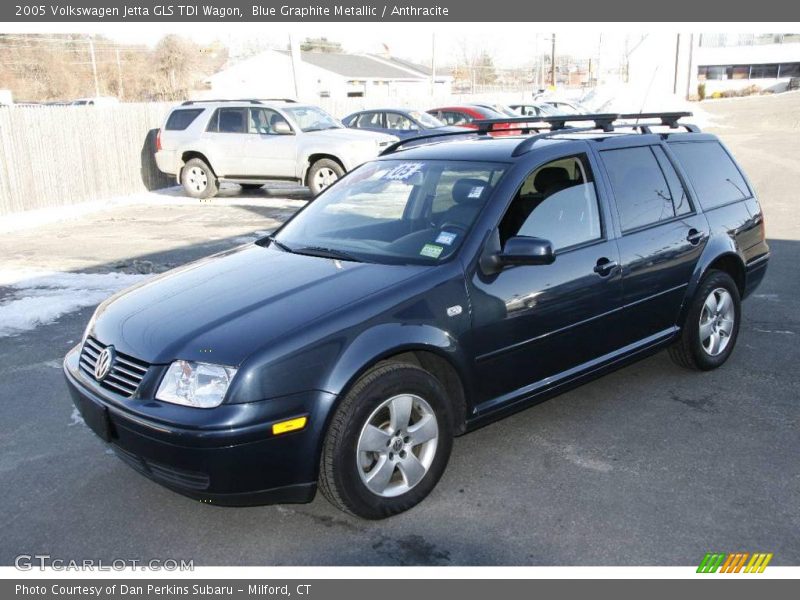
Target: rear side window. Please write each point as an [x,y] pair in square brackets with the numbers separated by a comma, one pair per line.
[640,186]
[229,120]
[181,119]
[712,172]
[371,119]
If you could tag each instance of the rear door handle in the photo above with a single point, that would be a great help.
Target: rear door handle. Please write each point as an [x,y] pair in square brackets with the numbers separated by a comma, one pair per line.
[604,266]
[694,237]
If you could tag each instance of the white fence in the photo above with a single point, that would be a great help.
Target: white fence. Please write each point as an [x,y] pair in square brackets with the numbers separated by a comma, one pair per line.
[62,155]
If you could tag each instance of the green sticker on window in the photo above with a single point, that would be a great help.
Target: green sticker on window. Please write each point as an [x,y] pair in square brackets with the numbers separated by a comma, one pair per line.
[431,250]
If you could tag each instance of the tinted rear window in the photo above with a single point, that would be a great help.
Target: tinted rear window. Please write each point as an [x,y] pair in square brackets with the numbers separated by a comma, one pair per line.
[181,119]
[712,172]
[642,194]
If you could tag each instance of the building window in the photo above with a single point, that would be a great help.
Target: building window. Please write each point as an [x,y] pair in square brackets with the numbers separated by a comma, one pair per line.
[789,70]
[764,72]
[773,71]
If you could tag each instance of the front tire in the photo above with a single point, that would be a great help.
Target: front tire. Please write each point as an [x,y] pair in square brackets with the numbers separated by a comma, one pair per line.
[712,324]
[388,443]
[322,174]
[199,180]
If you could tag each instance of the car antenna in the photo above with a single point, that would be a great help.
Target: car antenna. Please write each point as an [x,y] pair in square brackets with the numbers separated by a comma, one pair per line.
[647,93]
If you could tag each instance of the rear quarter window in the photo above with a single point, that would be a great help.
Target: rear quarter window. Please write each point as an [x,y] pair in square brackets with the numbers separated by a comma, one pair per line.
[713,174]
[181,119]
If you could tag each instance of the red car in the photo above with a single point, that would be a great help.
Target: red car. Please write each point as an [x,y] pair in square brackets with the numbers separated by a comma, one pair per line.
[464,115]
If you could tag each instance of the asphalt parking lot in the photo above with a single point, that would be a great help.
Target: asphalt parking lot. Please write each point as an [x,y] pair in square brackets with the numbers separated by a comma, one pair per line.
[652,465]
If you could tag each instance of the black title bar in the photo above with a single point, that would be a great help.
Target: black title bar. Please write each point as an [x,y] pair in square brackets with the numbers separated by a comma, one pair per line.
[240,11]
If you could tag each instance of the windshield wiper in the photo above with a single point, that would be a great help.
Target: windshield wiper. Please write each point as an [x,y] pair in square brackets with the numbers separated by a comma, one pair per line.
[327,253]
[271,239]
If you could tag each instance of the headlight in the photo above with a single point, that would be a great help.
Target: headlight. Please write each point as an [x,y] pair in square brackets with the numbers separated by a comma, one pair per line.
[201,385]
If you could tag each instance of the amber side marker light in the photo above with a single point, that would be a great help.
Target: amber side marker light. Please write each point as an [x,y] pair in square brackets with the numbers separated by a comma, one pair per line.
[290,425]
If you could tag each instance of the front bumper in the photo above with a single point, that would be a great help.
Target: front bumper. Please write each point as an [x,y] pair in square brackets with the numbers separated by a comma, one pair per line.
[211,461]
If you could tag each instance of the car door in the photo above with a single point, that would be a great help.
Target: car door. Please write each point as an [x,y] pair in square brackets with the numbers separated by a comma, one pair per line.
[271,154]
[661,237]
[534,326]
[227,139]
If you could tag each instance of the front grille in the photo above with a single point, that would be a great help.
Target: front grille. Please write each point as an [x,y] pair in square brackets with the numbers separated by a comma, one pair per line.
[126,372]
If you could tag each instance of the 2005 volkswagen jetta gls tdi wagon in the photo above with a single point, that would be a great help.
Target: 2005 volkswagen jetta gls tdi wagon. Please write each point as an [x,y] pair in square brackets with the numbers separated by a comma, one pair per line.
[454,280]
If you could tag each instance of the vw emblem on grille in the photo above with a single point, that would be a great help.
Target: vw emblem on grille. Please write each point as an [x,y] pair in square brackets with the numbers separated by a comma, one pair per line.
[104,363]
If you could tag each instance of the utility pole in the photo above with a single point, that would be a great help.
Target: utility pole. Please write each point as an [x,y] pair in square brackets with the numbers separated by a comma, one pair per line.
[553,61]
[94,68]
[119,76]
[294,49]
[433,64]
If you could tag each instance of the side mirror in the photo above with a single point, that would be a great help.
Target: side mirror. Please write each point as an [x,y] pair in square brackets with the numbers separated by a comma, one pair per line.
[282,128]
[523,250]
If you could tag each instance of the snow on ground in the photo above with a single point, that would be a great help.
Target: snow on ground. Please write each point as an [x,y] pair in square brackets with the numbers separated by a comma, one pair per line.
[33,297]
[628,98]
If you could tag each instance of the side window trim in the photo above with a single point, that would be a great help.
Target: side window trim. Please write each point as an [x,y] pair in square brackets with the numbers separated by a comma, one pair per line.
[660,158]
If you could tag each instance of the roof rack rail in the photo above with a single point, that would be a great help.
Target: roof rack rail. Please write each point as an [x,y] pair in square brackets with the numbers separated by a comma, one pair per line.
[250,100]
[392,148]
[668,119]
[548,126]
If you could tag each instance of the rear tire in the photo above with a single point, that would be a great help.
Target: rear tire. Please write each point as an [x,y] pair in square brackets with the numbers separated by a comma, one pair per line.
[712,324]
[322,174]
[199,180]
[388,442]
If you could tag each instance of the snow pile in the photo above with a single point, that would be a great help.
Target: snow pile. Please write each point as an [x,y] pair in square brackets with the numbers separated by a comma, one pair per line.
[628,98]
[33,297]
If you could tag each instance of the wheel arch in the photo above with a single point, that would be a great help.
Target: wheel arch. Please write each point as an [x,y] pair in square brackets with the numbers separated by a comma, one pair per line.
[187,155]
[315,156]
[427,347]
[726,260]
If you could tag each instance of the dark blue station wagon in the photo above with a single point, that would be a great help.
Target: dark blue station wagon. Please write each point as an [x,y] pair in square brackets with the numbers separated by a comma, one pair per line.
[453,281]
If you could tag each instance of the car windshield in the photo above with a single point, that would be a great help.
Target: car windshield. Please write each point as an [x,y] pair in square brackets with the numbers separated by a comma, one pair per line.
[394,212]
[311,118]
[426,120]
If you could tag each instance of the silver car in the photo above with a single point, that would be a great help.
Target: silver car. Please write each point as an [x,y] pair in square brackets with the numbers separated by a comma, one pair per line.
[252,142]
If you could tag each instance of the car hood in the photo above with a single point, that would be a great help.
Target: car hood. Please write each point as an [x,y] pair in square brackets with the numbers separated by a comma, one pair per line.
[224,308]
[346,134]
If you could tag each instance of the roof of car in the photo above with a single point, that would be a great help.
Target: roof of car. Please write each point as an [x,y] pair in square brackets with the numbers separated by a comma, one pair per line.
[475,147]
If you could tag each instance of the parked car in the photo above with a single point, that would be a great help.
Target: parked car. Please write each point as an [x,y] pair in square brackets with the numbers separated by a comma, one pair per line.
[399,122]
[567,107]
[95,101]
[534,109]
[252,142]
[463,116]
[432,290]
[501,109]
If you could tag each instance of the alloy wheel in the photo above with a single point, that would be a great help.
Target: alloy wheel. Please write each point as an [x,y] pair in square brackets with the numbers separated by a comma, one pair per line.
[397,445]
[716,321]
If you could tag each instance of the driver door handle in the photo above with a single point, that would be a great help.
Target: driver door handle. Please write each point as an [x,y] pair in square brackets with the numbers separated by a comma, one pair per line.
[604,266]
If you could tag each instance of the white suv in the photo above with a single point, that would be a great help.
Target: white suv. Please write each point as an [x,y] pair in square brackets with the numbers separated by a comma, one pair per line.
[251,142]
